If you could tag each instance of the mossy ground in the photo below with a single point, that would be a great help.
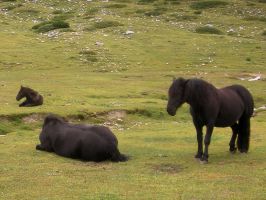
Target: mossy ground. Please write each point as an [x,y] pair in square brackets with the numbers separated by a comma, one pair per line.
[107,76]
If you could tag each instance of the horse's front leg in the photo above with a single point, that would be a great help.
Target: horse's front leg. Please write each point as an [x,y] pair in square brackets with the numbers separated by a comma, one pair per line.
[199,139]
[207,141]
[23,104]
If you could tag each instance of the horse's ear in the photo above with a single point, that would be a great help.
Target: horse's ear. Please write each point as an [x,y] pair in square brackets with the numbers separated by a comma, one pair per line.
[174,78]
[184,81]
[51,118]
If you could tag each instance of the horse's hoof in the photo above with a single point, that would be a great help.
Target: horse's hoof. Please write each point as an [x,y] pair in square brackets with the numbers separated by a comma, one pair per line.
[232,150]
[198,156]
[197,159]
[203,162]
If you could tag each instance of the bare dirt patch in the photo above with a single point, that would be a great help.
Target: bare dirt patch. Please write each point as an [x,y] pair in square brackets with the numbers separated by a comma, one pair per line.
[168,168]
[33,118]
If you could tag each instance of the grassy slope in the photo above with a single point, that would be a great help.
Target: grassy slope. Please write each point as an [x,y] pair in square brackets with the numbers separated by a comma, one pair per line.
[131,72]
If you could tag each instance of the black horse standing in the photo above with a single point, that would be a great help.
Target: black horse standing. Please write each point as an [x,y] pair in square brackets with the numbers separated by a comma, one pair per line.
[230,106]
[33,98]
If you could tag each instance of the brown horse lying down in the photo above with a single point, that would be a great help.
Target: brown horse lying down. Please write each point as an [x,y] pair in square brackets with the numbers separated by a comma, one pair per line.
[90,143]
[33,98]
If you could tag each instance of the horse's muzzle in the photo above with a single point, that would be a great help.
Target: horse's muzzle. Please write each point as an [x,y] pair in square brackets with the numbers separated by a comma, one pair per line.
[171,112]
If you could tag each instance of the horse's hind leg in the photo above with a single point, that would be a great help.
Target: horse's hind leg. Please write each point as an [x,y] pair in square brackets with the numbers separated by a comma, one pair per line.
[235,130]
[207,141]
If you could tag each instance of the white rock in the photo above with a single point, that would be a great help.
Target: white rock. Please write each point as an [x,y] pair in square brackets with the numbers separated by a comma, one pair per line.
[255,79]
[99,43]
[129,32]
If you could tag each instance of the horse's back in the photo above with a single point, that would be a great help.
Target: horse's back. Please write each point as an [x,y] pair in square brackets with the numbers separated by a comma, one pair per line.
[246,97]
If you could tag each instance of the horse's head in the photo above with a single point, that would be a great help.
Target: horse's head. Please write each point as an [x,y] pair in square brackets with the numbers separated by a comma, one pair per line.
[21,93]
[176,95]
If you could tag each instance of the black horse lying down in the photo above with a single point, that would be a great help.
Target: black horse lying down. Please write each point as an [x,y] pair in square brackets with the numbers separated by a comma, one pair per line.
[33,98]
[91,143]
[230,106]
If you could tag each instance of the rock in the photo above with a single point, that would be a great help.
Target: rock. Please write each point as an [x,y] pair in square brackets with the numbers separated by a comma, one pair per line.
[99,43]
[129,32]
[255,79]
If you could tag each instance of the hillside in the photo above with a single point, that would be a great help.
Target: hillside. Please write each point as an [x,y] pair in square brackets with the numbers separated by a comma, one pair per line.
[112,62]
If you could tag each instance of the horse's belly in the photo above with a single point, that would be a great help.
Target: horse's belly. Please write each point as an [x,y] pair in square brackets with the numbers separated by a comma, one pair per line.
[227,119]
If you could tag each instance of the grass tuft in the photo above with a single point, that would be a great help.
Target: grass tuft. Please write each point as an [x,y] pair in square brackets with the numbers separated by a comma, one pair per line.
[116,6]
[89,55]
[92,11]
[62,16]
[207,4]
[175,2]
[184,17]
[146,1]
[255,18]
[12,7]
[50,25]
[156,12]
[29,11]
[56,12]
[208,30]
[103,24]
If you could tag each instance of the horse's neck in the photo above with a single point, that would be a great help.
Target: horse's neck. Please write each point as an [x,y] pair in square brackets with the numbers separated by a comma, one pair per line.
[28,92]
[195,94]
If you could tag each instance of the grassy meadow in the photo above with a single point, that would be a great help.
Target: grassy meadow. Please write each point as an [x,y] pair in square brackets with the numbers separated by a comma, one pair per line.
[111,62]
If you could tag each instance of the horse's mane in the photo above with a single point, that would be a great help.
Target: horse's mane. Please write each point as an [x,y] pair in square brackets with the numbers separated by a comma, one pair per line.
[27,89]
[198,90]
[52,118]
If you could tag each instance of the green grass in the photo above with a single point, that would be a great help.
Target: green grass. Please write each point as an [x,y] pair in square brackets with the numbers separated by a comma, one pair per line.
[107,77]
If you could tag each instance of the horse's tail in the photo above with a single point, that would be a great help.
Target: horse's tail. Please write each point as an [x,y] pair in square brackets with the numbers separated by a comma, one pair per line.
[118,157]
[246,98]
[244,134]
[244,121]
